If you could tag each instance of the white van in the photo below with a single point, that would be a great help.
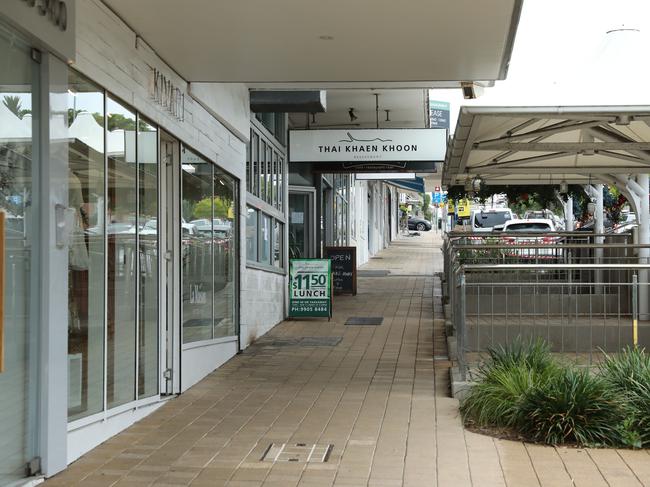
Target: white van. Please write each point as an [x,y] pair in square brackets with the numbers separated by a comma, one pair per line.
[486,220]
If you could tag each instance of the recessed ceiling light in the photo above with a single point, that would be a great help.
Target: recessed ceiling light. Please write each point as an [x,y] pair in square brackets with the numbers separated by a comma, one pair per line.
[326,38]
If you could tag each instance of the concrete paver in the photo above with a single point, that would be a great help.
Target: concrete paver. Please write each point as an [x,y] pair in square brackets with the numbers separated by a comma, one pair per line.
[381,397]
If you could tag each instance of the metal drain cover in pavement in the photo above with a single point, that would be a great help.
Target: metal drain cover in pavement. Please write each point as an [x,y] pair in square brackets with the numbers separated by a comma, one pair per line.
[297,452]
[300,342]
[320,341]
[372,273]
[365,320]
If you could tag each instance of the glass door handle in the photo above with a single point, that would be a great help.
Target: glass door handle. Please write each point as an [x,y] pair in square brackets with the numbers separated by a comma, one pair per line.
[2,291]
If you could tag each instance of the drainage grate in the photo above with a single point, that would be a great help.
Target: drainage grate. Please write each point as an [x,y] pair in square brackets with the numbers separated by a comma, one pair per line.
[300,342]
[297,452]
[373,273]
[320,341]
[365,320]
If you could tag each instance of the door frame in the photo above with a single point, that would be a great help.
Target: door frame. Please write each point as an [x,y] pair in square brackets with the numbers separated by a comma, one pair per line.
[169,261]
[310,192]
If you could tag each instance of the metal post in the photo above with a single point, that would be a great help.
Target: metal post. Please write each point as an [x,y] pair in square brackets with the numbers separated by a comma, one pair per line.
[461,329]
[635,312]
[644,238]
[599,228]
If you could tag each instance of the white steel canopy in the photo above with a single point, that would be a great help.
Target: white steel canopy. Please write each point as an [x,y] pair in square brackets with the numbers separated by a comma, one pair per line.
[547,145]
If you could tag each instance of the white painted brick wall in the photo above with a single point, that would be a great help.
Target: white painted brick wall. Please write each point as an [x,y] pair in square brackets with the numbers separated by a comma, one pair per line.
[263,307]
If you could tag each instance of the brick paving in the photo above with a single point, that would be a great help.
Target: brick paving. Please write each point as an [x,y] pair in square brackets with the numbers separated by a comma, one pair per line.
[380,397]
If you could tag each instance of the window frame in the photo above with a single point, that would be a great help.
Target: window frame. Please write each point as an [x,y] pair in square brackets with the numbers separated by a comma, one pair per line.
[269,197]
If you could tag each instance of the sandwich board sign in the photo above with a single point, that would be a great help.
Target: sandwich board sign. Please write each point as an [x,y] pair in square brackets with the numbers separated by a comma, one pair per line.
[310,287]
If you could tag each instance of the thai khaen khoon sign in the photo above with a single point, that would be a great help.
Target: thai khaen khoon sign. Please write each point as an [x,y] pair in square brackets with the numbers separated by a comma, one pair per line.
[370,149]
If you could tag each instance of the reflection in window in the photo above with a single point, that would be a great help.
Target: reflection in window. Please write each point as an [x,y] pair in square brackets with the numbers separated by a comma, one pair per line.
[265,240]
[209,252]
[277,243]
[224,225]
[121,219]
[251,234]
[196,207]
[86,248]
[148,245]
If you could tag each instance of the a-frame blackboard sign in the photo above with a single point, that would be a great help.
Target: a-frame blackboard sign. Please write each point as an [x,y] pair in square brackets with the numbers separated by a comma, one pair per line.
[344,269]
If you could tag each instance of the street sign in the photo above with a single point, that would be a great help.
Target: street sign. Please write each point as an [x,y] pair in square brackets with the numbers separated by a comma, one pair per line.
[437,198]
[310,285]
[464,208]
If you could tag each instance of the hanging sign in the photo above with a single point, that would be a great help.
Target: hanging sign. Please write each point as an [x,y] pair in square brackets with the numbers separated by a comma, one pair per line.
[310,284]
[439,114]
[450,207]
[464,208]
[389,148]
[344,269]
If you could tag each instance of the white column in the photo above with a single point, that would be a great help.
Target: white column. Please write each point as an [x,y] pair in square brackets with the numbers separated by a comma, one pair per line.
[644,238]
[599,228]
[568,215]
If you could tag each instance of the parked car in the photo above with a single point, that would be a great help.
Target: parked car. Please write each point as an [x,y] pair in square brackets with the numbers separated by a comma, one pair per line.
[488,220]
[532,225]
[420,224]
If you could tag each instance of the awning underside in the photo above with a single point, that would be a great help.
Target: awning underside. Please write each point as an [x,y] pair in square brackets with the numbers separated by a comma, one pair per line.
[547,145]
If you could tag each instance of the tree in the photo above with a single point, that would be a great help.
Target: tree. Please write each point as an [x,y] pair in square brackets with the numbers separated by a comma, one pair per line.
[14,104]
[205,207]
[426,206]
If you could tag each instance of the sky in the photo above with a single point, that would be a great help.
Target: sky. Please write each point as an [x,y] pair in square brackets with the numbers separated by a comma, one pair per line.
[563,55]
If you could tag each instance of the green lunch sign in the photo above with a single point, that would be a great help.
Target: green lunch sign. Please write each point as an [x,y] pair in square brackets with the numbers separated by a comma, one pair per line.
[310,286]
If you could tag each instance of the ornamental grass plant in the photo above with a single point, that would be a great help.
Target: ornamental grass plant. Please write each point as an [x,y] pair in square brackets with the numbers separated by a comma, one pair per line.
[521,388]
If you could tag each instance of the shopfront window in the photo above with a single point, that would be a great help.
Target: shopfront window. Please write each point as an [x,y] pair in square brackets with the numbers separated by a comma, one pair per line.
[209,202]
[86,275]
[148,248]
[19,166]
[267,184]
[121,226]
[113,252]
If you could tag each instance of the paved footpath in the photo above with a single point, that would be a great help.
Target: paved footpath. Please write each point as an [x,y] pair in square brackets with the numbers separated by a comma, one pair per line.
[379,396]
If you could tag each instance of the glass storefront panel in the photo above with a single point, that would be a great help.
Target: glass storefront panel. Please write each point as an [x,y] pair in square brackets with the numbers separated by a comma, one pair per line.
[121,227]
[86,248]
[225,260]
[18,182]
[251,234]
[278,230]
[148,245]
[298,225]
[265,239]
[197,252]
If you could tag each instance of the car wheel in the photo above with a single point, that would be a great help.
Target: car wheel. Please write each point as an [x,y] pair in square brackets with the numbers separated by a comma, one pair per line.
[421,227]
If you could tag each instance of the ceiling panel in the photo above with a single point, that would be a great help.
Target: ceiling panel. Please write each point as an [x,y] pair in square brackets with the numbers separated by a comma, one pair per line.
[343,41]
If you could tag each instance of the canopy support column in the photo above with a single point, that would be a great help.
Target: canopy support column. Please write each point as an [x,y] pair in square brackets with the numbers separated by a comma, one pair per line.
[644,239]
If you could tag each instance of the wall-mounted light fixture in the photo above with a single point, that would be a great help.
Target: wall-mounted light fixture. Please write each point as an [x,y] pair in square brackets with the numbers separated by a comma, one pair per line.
[352,115]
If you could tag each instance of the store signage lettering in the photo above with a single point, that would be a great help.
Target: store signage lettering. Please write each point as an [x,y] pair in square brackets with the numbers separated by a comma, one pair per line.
[310,284]
[55,10]
[368,145]
[167,95]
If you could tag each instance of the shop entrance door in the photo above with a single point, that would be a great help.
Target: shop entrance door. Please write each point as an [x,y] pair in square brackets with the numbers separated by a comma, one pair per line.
[301,223]
[170,246]
[19,265]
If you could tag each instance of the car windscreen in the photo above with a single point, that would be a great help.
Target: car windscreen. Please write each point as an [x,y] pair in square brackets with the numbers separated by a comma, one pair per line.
[528,227]
[489,219]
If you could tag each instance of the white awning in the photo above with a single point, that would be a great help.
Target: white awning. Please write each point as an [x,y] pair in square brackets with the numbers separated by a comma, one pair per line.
[547,145]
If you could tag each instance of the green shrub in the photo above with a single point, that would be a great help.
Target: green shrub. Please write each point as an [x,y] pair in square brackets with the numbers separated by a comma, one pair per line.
[533,354]
[628,374]
[502,381]
[625,370]
[495,399]
[573,406]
